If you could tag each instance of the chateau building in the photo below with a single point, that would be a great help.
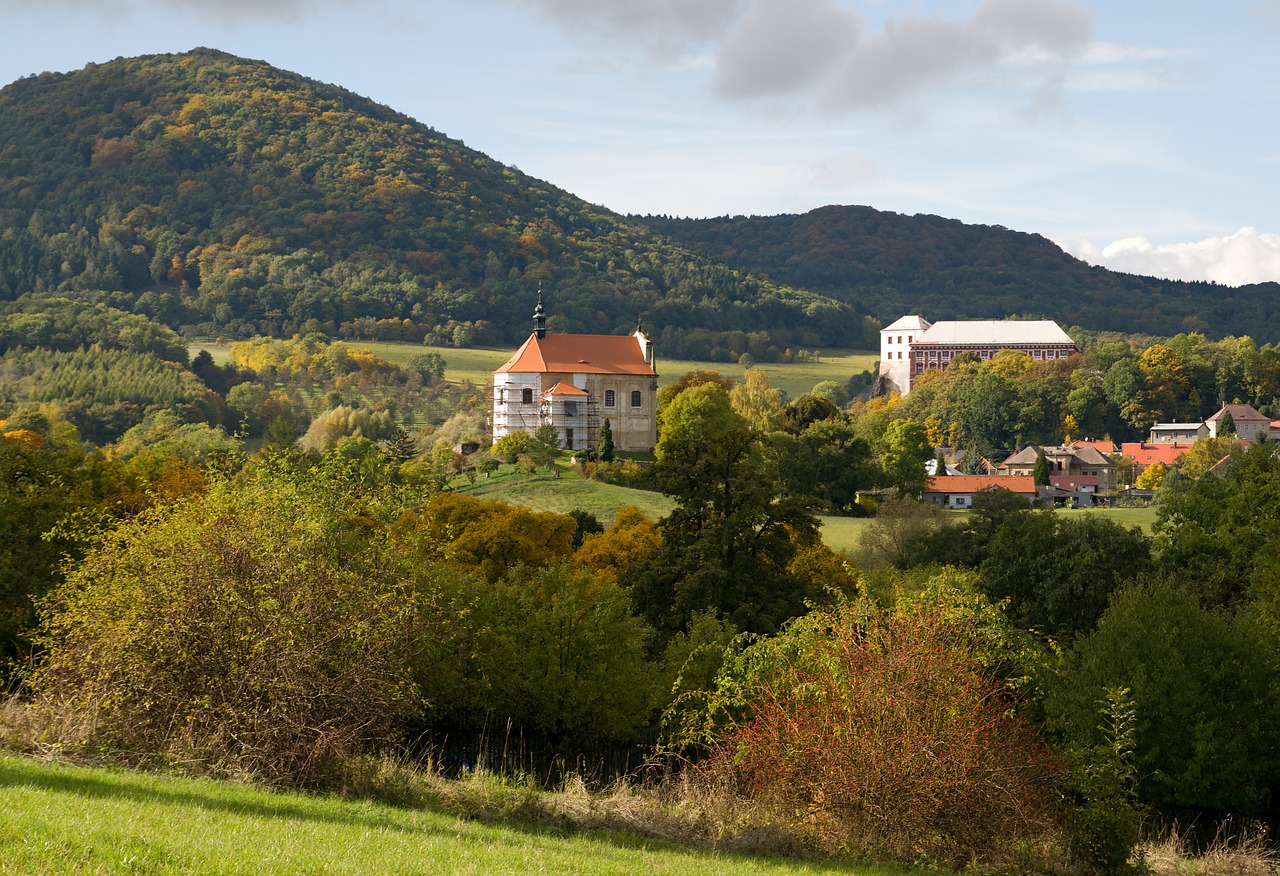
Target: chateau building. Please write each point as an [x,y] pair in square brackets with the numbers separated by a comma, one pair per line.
[912,345]
[575,383]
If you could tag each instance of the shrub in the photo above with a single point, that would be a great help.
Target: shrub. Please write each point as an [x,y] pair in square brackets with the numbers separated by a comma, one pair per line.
[880,734]
[260,628]
[1204,685]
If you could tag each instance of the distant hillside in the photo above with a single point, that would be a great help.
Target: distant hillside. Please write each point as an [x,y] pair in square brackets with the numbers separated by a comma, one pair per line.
[226,196]
[890,264]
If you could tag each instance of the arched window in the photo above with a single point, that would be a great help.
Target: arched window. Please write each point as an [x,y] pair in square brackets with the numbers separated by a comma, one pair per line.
[526,396]
[635,398]
[610,398]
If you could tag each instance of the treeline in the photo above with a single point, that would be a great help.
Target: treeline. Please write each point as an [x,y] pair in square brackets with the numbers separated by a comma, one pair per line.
[225,197]
[890,264]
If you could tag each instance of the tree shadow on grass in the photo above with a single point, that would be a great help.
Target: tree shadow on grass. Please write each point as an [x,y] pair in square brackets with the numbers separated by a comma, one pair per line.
[514,831]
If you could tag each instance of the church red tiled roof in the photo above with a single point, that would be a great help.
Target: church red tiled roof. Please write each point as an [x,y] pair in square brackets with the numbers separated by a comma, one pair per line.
[579,354]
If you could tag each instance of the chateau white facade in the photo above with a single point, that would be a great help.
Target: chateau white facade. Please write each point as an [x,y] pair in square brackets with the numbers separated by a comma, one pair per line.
[912,345]
[576,382]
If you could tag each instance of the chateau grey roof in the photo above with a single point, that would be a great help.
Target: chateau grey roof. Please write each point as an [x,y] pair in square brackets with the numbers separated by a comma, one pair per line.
[904,323]
[579,354]
[1246,413]
[994,332]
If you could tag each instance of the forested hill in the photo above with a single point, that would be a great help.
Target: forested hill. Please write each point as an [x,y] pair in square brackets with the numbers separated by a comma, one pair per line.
[944,269]
[222,195]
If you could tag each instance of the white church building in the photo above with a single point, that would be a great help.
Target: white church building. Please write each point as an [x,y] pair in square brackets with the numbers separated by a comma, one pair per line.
[576,382]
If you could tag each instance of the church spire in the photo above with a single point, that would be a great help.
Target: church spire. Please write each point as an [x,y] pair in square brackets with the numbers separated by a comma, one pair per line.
[539,318]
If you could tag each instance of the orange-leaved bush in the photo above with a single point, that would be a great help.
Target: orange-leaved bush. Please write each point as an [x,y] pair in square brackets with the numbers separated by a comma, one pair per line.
[881,734]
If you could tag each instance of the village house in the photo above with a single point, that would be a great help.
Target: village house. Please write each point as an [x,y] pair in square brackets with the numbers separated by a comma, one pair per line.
[1249,424]
[575,383]
[1072,461]
[912,345]
[1143,454]
[1178,433]
[957,491]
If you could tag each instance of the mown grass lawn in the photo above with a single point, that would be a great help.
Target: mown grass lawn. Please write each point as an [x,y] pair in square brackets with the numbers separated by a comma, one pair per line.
[568,492]
[60,819]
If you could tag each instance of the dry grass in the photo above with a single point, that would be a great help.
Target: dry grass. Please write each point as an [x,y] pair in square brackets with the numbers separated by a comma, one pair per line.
[1233,852]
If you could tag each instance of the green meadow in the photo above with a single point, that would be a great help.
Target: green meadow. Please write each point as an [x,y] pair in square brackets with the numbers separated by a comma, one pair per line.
[477,365]
[61,819]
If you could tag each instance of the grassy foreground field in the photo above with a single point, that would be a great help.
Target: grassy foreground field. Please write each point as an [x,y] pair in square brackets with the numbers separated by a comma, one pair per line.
[63,819]
[477,365]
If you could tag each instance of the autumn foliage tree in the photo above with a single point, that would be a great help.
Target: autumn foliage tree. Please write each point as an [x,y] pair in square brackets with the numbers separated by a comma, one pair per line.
[880,733]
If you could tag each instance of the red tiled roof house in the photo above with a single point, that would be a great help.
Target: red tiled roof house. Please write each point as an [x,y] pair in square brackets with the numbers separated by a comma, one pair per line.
[576,382]
[956,491]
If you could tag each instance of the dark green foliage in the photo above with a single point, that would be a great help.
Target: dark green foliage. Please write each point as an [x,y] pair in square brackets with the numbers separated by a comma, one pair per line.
[944,269]
[429,366]
[105,391]
[827,462]
[1107,819]
[1059,573]
[65,325]
[604,444]
[587,523]
[1204,690]
[1040,471]
[1226,424]
[727,546]
[1221,535]
[806,410]
[217,192]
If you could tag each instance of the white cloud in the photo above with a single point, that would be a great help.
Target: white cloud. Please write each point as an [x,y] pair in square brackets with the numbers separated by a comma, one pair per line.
[1235,260]
[665,27]
[784,46]
[821,54]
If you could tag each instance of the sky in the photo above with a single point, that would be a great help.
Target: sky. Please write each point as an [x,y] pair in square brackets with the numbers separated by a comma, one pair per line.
[1143,135]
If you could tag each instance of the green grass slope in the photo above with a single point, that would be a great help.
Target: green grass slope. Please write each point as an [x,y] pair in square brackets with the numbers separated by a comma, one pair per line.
[65,820]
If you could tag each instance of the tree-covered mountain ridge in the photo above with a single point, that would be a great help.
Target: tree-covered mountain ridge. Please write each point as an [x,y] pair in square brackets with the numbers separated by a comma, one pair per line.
[219,194]
[890,264]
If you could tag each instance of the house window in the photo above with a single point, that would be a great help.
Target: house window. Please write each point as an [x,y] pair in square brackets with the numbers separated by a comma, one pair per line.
[610,398]
[568,438]
[571,409]
[635,398]
[526,396]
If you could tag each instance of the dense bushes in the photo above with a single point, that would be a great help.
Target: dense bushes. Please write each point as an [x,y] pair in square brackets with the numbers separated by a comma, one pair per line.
[1204,687]
[263,627]
[881,733]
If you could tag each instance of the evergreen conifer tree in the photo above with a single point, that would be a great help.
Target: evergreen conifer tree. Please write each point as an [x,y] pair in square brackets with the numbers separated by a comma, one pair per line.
[1040,474]
[604,445]
[1226,423]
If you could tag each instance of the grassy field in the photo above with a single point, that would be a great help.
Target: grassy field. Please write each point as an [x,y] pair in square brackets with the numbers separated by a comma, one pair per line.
[477,365]
[569,492]
[64,820]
